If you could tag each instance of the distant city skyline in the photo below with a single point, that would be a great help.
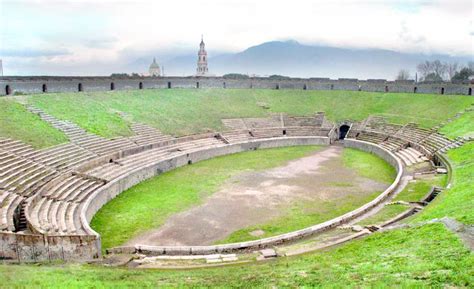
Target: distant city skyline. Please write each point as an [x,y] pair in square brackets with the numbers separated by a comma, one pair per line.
[68,37]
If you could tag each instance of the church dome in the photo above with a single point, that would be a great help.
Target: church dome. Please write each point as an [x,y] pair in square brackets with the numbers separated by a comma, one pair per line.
[154,64]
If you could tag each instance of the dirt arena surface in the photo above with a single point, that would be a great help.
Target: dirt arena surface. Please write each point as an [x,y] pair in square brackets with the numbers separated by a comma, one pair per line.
[255,198]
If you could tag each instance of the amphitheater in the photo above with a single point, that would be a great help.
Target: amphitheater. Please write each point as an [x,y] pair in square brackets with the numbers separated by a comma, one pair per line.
[49,196]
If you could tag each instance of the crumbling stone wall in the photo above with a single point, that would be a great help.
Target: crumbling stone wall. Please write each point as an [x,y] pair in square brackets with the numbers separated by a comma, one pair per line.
[33,85]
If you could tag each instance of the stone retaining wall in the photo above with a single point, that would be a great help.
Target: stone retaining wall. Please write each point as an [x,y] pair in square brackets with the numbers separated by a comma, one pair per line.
[32,85]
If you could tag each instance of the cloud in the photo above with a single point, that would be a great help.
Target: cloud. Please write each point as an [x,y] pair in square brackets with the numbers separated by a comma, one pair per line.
[105,42]
[117,32]
[33,52]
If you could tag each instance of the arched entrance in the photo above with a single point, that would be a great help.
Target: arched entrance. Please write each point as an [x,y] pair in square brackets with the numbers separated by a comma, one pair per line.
[343,129]
[8,90]
[44,88]
[140,85]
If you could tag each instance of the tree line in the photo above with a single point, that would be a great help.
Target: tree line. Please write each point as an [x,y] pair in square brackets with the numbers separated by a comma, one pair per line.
[439,71]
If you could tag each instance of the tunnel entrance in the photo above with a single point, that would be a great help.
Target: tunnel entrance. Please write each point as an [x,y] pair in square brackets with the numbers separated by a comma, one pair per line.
[343,129]
[8,90]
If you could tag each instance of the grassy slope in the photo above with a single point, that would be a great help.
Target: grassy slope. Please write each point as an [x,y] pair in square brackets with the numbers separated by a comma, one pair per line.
[414,191]
[428,256]
[157,198]
[458,201]
[185,111]
[17,123]
[464,126]
[301,215]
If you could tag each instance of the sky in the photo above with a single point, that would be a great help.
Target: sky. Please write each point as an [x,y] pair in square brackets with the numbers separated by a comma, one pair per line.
[92,37]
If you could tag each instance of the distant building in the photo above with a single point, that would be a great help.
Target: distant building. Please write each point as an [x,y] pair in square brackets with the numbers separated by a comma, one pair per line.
[154,69]
[202,69]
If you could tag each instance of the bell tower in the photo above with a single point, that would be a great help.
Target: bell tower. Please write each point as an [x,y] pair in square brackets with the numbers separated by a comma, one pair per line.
[201,69]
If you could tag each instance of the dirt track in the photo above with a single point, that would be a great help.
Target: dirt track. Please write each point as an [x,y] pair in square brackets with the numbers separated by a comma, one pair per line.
[257,197]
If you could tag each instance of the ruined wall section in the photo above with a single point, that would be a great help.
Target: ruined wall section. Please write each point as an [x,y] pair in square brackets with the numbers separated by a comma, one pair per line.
[34,85]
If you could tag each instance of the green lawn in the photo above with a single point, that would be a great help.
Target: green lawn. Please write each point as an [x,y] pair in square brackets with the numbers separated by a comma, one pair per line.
[424,257]
[18,123]
[148,204]
[186,111]
[304,214]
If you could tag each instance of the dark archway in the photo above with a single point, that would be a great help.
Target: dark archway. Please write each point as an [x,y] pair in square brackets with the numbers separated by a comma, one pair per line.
[169,84]
[343,129]
[305,87]
[44,88]
[386,88]
[8,90]
[112,86]
[79,87]
[469,91]
[277,87]
[140,85]
[359,88]
[223,85]
[197,84]
[415,89]
[332,86]
[442,90]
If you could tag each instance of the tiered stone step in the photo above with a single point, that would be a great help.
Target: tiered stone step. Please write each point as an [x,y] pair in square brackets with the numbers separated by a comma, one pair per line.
[410,156]
[234,124]
[253,123]
[111,171]
[102,146]
[57,210]
[21,175]
[412,133]
[63,156]
[147,135]
[69,128]
[371,137]
[267,132]
[15,146]
[301,121]
[305,131]
[436,142]
[393,144]
[8,204]
[237,136]
[382,127]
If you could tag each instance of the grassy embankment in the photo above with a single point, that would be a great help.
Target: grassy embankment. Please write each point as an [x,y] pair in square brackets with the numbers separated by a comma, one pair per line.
[186,111]
[17,123]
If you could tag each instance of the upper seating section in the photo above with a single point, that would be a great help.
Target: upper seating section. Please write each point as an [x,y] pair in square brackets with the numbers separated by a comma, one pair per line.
[244,129]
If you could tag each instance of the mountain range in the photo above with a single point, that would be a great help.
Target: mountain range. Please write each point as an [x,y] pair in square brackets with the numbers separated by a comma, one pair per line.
[292,58]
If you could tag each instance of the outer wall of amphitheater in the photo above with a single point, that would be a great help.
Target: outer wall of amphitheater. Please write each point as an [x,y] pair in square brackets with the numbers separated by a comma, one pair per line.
[37,84]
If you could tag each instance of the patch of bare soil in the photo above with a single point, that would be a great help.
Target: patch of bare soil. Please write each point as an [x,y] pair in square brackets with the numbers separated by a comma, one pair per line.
[257,197]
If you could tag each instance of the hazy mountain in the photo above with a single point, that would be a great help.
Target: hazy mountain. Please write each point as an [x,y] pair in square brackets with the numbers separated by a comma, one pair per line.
[298,60]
